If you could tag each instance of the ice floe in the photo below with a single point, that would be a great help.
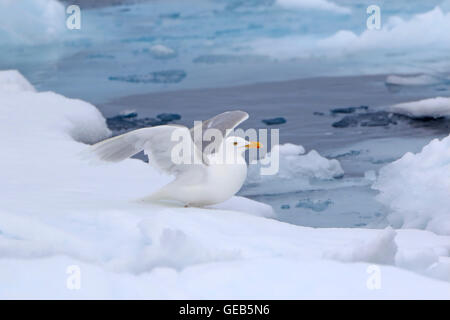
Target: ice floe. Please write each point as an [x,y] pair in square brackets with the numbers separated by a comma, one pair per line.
[427,108]
[297,171]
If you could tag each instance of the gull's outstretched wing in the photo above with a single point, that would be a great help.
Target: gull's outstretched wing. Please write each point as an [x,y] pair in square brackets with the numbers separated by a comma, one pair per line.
[222,122]
[157,142]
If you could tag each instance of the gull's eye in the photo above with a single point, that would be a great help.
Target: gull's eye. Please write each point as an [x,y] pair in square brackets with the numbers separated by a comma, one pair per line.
[235,143]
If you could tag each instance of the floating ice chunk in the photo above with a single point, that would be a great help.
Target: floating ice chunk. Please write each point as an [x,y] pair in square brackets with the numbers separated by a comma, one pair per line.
[433,107]
[416,188]
[160,51]
[289,149]
[417,80]
[313,4]
[311,165]
[297,171]
[13,81]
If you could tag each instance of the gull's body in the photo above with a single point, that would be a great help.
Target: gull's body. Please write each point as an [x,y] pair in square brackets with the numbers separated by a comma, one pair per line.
[218,183]
[210,178]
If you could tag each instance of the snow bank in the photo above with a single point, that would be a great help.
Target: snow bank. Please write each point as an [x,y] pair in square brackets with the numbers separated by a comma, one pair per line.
[313,4]
[49,113]
[30,21]
[297,171]
[13,81]
[432,107]
[382,249]
[416,188]
[59,213]
[255,208]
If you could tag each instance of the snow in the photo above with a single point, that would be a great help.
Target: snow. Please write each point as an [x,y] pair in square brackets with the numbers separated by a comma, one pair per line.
[432,107]
[382,250]
[13,81]
[416,188]
[59,213]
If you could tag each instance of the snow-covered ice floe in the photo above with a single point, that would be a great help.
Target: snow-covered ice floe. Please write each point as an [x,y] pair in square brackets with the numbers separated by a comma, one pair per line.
[433,107]
[417,188]
[59,213]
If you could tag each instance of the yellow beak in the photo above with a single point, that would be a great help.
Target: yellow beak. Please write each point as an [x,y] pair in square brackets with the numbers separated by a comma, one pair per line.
[253,144]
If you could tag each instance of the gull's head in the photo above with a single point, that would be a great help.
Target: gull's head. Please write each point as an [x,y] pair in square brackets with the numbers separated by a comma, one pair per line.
[240,145]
